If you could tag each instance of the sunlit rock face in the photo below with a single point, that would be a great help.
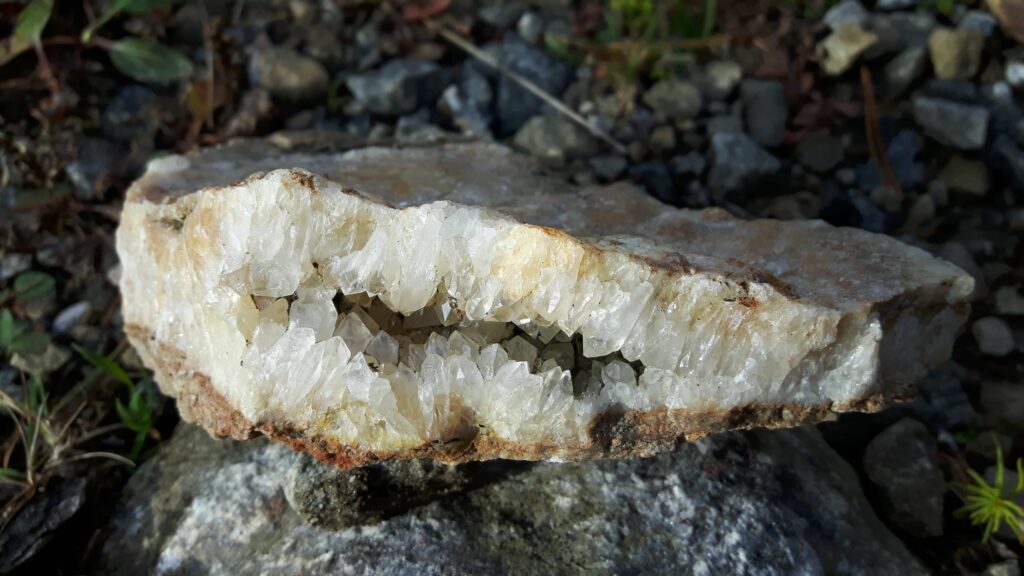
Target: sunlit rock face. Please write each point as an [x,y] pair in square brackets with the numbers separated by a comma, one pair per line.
[450,302]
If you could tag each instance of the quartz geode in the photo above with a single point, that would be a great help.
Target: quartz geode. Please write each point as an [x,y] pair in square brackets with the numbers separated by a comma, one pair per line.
[450,302]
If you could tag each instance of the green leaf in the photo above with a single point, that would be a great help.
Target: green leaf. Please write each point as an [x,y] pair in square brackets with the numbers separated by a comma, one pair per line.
[6,329]
[106,364]
[30,343]
[12,474]
[1020,476]
[136,416]
[9,329]
[127,418]
[150,61]
[710,16]
[36,394]
[114,9]
[142,6]
[137,444]
[33,19]
[33,285]
[135,404]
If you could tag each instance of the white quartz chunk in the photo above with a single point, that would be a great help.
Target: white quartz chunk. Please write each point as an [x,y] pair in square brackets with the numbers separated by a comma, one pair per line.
[449,302]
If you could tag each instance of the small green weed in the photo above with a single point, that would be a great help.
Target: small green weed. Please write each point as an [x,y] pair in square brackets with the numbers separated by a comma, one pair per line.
[28,287]
[137,415]
[47,443]
[46,431]
[986,505]
[15,339]
[141,58]
[645,36]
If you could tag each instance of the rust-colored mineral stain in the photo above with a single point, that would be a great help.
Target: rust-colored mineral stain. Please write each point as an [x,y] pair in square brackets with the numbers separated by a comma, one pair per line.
[749,302]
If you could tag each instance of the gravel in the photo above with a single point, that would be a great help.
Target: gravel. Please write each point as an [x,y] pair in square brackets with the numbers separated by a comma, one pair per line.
[515,104]
[961,126]
[399,87]
[67,318]
[905,69]
[993,336]
[608,168]
[962,174]
[530,27]
[820,151]
[1002,404]
[840,49]
[656,177]
[691,164]
[287,74]
[845,11]
[955,53]
[720,78]
[676,99]
[902,464]
[1009,301]
[765,111]
[980,21]
[738,161]
[555,137]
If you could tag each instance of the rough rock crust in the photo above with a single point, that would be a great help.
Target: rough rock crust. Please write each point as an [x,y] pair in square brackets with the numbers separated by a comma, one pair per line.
[911,302]
[758,502]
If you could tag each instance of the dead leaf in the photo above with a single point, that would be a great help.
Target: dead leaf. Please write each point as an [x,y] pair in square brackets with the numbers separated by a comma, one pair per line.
[204,97]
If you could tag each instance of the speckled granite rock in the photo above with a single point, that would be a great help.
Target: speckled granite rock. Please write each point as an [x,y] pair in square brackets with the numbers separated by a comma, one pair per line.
[451,302]
[738,503]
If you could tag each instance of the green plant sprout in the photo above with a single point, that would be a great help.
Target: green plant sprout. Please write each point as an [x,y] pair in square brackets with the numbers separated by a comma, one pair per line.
[141,58]
[14,339]
[641,36]
[985,504]
[137,415]
[28,286]
[14,335]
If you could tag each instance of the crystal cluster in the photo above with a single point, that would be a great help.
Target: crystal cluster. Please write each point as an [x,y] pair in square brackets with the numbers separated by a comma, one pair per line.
[387,326]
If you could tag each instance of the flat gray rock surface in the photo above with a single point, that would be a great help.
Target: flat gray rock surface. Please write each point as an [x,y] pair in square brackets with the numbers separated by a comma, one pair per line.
[739,503]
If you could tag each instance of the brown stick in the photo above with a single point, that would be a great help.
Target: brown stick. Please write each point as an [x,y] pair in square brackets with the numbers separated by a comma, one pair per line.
[874,132]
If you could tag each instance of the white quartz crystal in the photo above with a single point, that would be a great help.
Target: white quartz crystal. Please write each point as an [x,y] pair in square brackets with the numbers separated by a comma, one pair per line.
[422,308]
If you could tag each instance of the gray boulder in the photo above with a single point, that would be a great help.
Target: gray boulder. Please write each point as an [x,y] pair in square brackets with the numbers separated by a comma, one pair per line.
[777,502]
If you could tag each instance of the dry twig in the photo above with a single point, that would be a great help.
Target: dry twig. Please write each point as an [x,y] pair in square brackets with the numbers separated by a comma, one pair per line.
[450,35]
[874,133]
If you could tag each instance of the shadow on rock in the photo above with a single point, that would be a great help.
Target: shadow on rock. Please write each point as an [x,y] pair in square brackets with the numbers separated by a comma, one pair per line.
[334,499]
